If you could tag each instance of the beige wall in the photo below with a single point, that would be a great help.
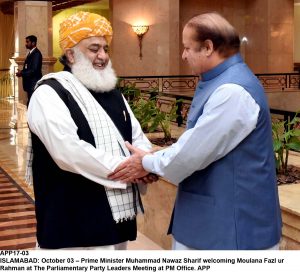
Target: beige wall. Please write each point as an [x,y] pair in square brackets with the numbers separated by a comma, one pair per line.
[160,43]
[256,49]
[270,32]
[281,36]
[267,24]
[297,32]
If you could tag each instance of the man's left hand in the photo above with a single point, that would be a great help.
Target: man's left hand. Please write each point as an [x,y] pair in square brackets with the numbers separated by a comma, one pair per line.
[149,178]
[19,73]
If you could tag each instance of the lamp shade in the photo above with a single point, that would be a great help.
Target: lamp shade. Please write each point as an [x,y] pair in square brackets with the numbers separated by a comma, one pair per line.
[140,30]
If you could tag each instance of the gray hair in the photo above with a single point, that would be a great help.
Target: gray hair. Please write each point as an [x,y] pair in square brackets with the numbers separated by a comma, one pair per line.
[214,27]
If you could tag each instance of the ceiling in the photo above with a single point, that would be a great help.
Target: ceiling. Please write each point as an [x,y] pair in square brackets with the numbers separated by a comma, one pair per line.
[7,7]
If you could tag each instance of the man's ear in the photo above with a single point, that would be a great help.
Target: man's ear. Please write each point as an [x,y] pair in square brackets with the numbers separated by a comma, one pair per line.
[70,55]
[209,47]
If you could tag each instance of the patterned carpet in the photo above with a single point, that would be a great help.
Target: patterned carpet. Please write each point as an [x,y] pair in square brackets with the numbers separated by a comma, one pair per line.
[17,216]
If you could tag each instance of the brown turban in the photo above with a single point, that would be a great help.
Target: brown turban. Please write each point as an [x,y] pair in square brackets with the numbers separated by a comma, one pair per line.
[83,25]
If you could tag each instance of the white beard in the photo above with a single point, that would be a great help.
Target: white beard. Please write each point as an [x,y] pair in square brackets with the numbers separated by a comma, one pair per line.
[96,80]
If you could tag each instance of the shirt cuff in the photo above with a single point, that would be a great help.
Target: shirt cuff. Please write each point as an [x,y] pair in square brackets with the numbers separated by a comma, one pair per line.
[147,162]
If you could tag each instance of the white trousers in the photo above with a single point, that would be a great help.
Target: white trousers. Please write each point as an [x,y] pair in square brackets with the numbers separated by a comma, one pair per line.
[118,246]
[179,246]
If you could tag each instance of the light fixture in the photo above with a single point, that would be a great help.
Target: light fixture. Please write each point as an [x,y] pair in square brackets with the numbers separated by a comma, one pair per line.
[140,30]
[244,39]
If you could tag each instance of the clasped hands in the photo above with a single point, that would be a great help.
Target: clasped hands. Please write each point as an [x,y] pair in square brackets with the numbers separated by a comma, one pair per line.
[131,170]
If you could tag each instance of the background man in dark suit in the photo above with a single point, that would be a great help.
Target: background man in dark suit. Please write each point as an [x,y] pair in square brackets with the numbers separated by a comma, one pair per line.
[32,69]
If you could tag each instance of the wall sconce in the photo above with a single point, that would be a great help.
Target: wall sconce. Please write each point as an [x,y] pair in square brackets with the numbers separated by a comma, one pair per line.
[140,31]
[244,39]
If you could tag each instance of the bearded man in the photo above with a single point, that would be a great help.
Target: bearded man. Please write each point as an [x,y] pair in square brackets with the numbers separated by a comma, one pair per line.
[79,123]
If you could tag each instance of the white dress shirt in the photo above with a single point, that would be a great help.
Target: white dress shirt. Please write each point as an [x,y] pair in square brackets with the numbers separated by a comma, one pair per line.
[31,50]
[229,116]
[50,120]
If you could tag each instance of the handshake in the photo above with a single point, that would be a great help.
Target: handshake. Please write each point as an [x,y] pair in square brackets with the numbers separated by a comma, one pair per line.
[131,170]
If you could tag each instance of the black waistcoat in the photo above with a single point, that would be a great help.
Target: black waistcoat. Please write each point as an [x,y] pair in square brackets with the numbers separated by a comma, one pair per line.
[71,210]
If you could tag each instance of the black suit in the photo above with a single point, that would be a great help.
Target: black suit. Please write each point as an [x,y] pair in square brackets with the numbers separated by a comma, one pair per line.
[32,71]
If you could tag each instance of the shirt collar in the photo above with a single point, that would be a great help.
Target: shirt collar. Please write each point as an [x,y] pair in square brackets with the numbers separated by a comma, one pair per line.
[31,50]
[219,69]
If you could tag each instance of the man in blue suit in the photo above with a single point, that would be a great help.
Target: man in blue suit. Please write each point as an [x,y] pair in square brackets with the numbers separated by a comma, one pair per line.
[32,69]
[224,162]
